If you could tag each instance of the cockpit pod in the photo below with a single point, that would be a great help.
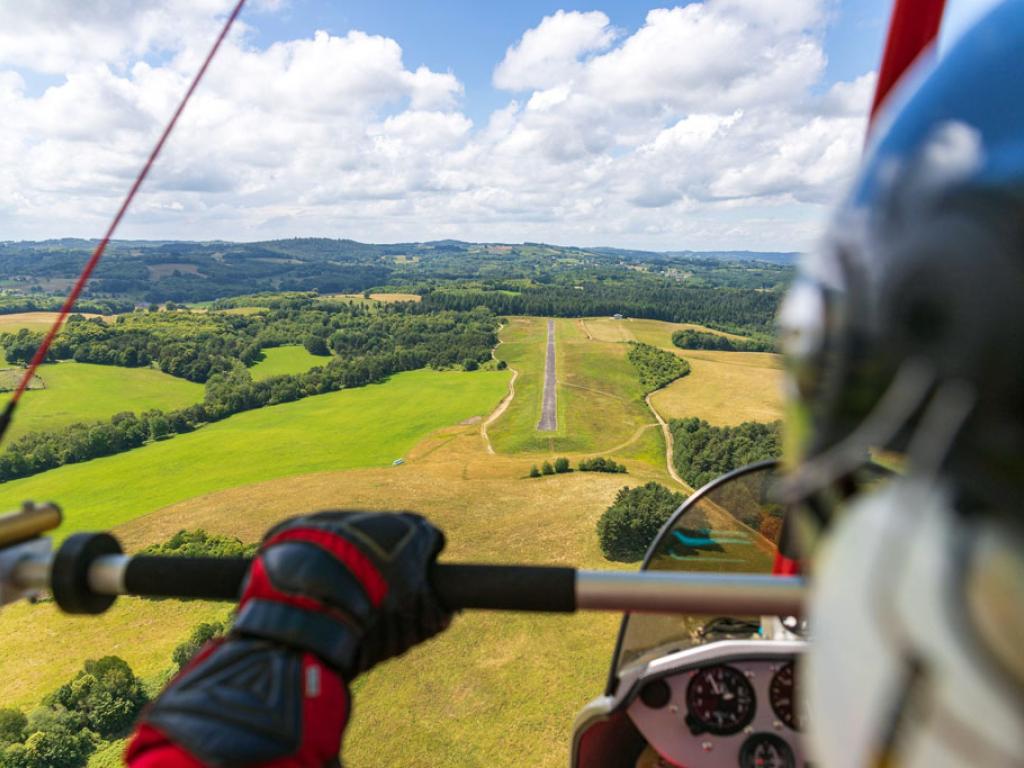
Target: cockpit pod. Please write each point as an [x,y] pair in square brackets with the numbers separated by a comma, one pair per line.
[700,691]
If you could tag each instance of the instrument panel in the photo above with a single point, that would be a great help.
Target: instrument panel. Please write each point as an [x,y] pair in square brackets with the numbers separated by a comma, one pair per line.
[730,711]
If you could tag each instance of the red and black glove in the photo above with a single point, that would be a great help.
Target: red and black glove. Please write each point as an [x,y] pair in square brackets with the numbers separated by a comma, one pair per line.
[328,596]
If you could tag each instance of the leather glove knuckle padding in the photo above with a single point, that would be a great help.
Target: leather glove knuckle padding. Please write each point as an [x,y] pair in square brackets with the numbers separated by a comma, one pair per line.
[401,545]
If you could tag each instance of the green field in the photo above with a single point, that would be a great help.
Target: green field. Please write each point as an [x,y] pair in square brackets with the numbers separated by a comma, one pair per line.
[365,427]
[600,401]
[280,361]
[86,392]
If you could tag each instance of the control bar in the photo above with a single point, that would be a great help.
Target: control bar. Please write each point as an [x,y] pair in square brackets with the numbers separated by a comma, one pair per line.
[89,571]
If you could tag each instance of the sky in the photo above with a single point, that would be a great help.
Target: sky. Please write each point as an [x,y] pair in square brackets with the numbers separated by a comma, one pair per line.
[718,124]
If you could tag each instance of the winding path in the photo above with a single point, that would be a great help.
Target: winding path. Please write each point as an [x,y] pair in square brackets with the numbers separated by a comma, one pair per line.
[668,445]
[505,401]
[549,404]
[496,414]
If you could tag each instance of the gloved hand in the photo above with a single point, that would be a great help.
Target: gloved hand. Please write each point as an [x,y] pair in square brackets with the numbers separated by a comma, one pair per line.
[350,587]
[328,596]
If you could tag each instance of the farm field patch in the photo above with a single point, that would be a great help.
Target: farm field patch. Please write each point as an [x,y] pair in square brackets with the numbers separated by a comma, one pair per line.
[280,361]
[86,392]
[368,426]
[655,332]
[725,388]
[35,321]
[600,402]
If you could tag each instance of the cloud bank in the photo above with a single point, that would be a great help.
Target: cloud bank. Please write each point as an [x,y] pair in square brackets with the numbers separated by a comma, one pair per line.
[707,127]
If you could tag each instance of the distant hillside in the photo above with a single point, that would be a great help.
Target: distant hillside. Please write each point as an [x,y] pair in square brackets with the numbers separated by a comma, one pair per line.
[189,272]
[772,257]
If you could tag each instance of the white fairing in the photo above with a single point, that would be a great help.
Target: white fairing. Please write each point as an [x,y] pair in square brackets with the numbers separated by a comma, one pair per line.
[896,674]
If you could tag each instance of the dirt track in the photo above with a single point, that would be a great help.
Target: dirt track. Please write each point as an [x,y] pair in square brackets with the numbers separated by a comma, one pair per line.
[549,411]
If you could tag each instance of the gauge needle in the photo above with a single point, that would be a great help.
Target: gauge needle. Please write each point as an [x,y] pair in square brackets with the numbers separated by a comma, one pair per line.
[714,686]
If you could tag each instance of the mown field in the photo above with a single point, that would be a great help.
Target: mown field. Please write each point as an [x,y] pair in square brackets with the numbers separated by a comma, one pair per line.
[280,361]
[33,321]
[725,388]
[86,392]
[600,401]
[369,426]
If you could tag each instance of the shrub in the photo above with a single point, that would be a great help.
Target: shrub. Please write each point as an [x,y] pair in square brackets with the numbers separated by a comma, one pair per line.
[562,465]
[601,464]
[12,726]
[502,365]
[547,469]
[202,634]
[106,693]
[199,543]
[629,525]
[534,472]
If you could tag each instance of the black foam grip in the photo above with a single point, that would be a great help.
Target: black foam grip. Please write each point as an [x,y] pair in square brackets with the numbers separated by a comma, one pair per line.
[506,587]
[206,578]
[494,587]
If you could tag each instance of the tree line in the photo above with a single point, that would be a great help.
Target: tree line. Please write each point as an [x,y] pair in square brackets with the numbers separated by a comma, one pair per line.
[655,367]
[688,339]
[701,452]
[743,310]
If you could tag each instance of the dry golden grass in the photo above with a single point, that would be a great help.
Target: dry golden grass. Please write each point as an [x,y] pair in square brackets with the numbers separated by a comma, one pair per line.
[725,388]
[37,321]
[496,689]
[656,332]
[389,297]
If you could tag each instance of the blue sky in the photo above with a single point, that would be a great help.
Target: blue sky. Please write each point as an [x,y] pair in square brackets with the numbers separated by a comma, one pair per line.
[470,38]
[716,124]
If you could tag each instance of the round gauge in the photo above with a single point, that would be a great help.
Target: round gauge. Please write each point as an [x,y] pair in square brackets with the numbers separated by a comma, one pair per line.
[766,750]
[782,695]
[720,700]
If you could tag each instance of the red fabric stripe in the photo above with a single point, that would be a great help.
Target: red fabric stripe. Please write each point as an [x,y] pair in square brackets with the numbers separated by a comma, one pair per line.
[785,566]
[345,551]
[912,28]
[97,254]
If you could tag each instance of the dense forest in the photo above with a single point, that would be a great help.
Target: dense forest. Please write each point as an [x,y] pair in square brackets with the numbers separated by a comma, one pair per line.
[368,345]
[655,367]
[687,339]
[702,452]
[154,271]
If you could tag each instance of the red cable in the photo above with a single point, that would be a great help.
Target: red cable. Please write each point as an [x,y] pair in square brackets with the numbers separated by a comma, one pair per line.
[90,265]
[912,28]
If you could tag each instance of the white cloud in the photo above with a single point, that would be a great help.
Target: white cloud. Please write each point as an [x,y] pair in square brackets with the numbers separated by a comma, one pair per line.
[701,129]
[549,53]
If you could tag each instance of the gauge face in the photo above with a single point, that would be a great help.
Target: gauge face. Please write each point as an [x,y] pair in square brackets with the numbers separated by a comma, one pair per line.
[782,694]
[720,700]
[766,750]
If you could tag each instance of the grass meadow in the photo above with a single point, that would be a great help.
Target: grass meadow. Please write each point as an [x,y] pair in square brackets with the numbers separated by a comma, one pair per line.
[364,427]
[86,392]
[280,361]
[509,684]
